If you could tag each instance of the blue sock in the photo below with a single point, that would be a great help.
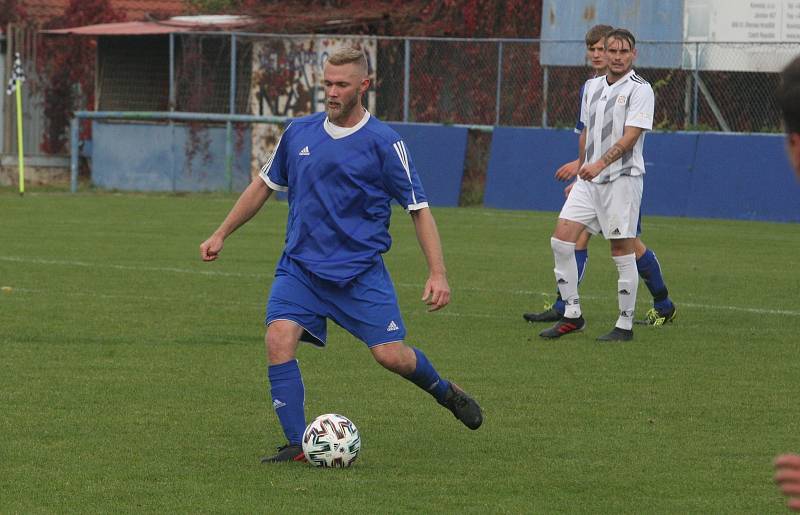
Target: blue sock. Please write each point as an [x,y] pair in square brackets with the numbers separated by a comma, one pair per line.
[288,399]
[650,272]
[581,257]
[427,378]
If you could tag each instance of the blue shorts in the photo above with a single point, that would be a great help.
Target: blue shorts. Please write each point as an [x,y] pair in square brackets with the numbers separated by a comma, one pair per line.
[366,307]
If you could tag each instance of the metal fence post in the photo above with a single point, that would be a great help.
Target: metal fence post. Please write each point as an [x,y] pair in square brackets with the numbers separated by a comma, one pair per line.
[171,71]
[499,83]
[231,110]
[406,78]
[696,76]
[545,80]
[172,103]
[687,101]
[317,66]
[74,134]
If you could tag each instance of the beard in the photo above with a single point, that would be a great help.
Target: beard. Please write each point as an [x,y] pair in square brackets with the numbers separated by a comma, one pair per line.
[342,110]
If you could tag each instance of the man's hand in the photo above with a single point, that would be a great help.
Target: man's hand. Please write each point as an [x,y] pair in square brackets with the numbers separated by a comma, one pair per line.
[437,292]
[591,170]
[210,249]
[568,171]
[568,189]
[787,476]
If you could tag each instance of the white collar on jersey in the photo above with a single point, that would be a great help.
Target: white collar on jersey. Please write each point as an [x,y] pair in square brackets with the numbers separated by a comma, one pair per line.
[336,132]
[620,80]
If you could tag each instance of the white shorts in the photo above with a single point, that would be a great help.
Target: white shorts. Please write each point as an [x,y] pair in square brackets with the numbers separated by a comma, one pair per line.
[611,208]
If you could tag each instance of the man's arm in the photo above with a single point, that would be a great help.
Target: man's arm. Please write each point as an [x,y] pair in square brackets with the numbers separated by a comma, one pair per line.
[582,148]
[629,137]
[437,291]
[250,201]
[570,170]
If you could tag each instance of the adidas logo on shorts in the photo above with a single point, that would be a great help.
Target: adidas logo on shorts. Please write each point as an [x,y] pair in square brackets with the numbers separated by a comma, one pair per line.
[392,326]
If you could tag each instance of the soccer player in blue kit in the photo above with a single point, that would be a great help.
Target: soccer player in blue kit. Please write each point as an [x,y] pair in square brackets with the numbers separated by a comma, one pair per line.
[341,169]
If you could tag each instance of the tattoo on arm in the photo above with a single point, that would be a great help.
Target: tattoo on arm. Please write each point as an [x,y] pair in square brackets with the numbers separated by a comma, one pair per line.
[613,154]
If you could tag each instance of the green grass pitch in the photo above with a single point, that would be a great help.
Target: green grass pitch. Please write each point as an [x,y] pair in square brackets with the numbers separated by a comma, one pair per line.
[133,376]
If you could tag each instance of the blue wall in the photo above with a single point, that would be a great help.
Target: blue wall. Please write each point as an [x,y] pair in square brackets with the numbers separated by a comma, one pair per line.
[152,157]
[438,152]
[707,175]
[737,176]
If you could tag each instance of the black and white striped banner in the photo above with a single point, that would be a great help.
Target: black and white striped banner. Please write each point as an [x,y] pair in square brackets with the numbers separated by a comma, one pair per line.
[17,74]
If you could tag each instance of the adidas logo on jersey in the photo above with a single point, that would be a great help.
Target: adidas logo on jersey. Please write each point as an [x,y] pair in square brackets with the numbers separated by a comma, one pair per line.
[305,152]
[277,403]
[392,326]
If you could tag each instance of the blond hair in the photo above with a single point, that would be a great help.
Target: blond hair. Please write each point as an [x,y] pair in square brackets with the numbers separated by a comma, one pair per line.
[350,55]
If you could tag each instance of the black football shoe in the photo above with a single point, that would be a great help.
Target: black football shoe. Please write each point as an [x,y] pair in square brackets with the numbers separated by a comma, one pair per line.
[289,452]
[464,407]
[657,318]
[617,335]
[548,315]
[564,326]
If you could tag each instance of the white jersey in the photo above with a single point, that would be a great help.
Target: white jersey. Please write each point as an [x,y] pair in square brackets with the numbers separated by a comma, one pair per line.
[606,110]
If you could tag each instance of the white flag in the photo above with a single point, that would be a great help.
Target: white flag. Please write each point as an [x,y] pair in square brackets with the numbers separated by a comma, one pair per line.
[17,74]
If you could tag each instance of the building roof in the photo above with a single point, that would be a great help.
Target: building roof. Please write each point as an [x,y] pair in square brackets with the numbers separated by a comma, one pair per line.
[140,28]
[44,10]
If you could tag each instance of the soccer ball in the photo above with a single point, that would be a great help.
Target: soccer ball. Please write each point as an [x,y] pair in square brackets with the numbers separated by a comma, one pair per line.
[331,441]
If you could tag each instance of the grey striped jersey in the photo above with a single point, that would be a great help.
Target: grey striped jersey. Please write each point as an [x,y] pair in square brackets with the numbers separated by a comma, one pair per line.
[606,110]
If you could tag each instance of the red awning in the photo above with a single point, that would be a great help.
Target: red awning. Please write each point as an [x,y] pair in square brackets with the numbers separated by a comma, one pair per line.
[141,28]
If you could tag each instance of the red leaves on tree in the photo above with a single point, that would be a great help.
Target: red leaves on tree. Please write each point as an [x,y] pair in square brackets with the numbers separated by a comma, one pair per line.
[66,69]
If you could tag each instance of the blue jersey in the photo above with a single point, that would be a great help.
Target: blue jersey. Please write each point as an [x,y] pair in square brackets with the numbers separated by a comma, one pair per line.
[340,184]
[579,126]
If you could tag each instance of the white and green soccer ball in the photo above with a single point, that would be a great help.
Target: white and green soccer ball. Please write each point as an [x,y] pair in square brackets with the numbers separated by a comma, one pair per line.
[331,440]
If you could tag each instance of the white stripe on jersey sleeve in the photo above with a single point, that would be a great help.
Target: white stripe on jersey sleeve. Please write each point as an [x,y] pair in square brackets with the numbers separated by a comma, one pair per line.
[400,148]
[272,185]
[268,164]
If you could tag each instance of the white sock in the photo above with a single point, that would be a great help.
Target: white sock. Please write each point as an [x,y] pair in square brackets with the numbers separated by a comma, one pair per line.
[627,286]
[566,271]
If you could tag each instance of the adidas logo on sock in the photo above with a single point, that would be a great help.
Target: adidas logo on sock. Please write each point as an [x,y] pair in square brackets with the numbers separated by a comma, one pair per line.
[277,403]
[624,292]
[305,151]
[392,326]
[561,280]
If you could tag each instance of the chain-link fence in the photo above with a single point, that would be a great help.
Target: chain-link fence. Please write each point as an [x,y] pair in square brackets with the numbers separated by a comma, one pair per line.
[489,82]
[703,86]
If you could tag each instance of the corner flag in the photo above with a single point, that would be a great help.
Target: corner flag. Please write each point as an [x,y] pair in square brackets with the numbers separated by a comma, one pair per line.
[15,84]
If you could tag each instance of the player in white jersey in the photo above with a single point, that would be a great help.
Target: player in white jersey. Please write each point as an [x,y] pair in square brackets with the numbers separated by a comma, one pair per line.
[342,169]
[616,110]
[647,263]
[787,466]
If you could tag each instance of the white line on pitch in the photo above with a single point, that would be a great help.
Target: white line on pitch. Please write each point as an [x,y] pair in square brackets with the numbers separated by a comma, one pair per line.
[758,311]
